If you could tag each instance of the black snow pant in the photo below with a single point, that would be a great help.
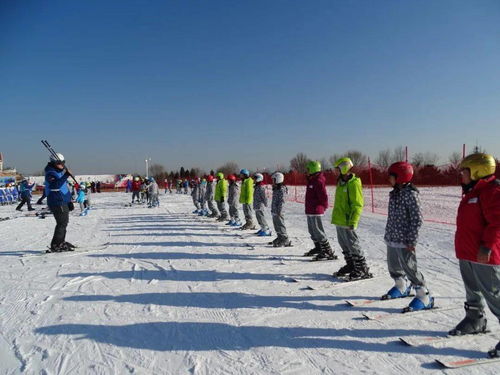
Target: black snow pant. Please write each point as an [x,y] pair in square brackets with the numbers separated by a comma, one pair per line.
[61,214]
[40,201]
[24,200]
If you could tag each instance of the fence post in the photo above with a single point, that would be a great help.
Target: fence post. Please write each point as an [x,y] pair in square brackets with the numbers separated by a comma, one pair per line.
[371,184]
[406,154]
[463,151]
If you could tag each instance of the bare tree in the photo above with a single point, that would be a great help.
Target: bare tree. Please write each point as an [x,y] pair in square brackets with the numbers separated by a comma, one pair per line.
[229,168]
[156,169]
[325,164]
[420,159]
[299,163]
[333,159]
[455,158]
[399,154]
[384,158]
[358,158]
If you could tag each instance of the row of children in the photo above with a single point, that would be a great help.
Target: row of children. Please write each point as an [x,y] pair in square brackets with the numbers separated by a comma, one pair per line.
[145,190]
[8,194]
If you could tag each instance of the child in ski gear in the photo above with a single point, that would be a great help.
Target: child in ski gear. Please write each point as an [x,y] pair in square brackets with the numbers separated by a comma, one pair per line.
[277,206]
[477,243]
[246,199]
[195,194]
[136,189]
[202,198]
[80,198]
[25,189]
[58,200]
[221,196]
[401,233]
[259,205]
[316,205]
[209,196]
[232,201]
[347,210]
[154,193]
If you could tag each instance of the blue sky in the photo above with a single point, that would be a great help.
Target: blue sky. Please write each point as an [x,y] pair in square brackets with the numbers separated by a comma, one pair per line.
[198,83]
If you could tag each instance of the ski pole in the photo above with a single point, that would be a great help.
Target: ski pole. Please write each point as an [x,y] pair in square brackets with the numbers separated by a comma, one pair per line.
[54,154]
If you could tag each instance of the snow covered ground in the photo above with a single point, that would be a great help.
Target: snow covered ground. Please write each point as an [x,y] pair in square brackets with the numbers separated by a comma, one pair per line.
[176,294]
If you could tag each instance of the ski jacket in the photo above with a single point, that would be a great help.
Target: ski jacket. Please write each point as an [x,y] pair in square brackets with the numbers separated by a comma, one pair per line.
[316,195]
[478,222]
[278,199]
[81,196]
[153,188]
[404,217]
[259,197]
[349,202]
[221,190]
[136,186]
[210,193]
[25,189]
[234,192]
[246,196]
[56,187]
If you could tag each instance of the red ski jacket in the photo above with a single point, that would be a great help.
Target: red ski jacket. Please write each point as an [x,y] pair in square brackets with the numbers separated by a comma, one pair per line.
[136,185]
[316,195]
[478,222]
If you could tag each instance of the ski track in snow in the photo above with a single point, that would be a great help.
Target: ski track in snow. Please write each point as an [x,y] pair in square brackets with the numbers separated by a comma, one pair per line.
[175,293]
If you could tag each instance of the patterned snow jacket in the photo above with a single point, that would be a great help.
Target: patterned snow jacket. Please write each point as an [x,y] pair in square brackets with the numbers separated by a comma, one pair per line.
[404,217]
[278,202]
[259,197]
[234,194]
[210,193]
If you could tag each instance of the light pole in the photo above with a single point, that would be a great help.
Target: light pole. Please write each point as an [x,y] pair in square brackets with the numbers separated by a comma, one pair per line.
[148,160]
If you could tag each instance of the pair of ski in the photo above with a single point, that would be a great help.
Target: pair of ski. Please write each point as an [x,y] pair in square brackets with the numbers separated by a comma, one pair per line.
[85,212]
[78,250]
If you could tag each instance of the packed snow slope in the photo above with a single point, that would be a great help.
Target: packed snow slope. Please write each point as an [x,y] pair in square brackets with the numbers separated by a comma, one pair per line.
[173,294]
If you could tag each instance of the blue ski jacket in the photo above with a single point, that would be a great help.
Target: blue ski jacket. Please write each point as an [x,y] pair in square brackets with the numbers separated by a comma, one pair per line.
[56,187]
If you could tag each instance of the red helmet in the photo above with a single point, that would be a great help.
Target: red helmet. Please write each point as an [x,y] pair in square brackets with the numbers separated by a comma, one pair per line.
[231,177]
[403,172]
[210,178]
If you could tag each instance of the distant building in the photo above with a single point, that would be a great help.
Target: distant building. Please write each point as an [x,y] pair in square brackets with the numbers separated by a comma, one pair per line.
[1,162]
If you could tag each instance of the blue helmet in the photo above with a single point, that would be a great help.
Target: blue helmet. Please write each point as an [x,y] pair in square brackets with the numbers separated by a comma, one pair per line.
[245,172]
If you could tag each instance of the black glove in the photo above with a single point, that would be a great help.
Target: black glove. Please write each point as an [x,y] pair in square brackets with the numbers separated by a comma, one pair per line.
[71,206]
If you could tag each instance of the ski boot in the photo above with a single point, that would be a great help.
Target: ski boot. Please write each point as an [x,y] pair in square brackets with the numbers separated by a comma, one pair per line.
[221,218]
[313,251]
[62,247]
[31,209]
[265,233]
[345,269]
[360,269]
[495,352]
[422,301]
[237,223]
[326,252]
[196,211]
[275,241]
[474,322]
[70,246]
[283,242]
[230,222]
[399,290]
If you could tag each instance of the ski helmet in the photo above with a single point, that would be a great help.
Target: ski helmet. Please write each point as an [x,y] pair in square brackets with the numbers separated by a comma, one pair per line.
[231,177]
[344,164]
[57,158]
[136,178]
[403,172]
[258,177]
[313,167]
[480,165]
[278,177]
[245,172]
[220,176]
[210,178]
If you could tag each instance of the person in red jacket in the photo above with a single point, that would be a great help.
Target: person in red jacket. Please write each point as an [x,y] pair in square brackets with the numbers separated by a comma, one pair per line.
[316,205]
[136,189]
[477,243]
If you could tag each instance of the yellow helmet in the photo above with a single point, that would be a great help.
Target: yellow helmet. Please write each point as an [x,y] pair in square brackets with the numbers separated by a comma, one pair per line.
[480,165]
[344,164]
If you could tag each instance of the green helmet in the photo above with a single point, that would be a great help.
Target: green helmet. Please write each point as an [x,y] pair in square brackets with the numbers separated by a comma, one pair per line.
[344,164]
[220,175]
[313,166]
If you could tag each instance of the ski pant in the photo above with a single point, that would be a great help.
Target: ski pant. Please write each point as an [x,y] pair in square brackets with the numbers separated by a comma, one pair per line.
[155,202]
[40,200]
[279,227]
[349,243]
[203,205]
[135,194]
[61,214]
[316,230]
[261,219]
[222,208]
[401,263]
[24,200]
[196,203]
[481,282]
[248,212]
[212,207]
[233,212]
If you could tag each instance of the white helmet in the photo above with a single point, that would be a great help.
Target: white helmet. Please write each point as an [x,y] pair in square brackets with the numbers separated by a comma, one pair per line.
[258,177]
[59,158]
[278,177]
